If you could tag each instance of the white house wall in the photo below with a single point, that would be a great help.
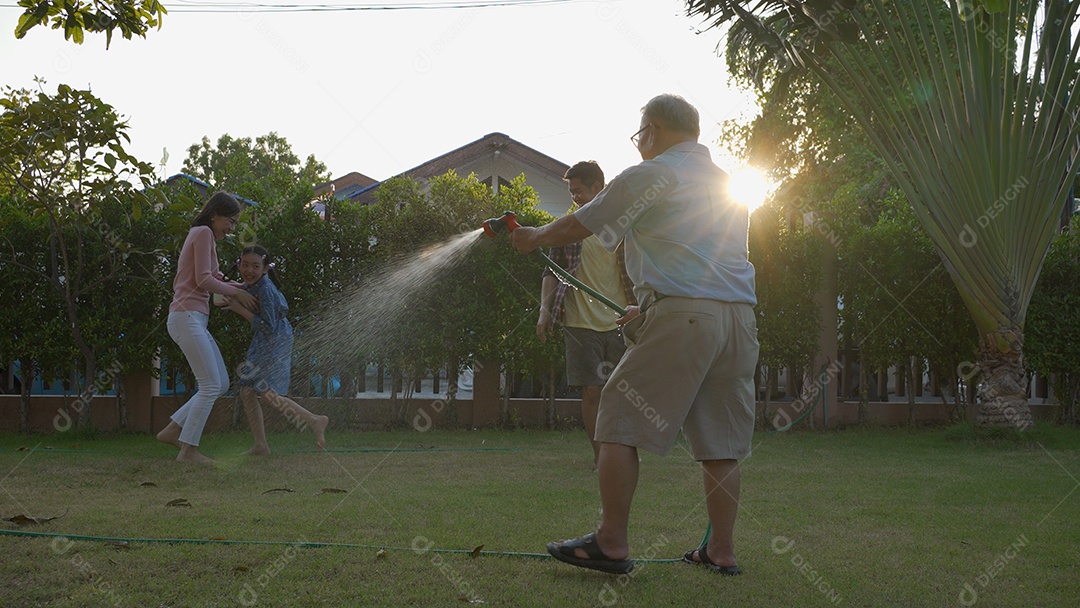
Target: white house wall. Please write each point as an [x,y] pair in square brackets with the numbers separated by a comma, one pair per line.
[554,197]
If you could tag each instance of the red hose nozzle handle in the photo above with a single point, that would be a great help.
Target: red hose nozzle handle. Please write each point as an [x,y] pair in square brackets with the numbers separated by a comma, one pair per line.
[507,222]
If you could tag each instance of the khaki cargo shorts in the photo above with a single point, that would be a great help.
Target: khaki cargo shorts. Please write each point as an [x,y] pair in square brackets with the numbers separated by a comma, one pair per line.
[689,365]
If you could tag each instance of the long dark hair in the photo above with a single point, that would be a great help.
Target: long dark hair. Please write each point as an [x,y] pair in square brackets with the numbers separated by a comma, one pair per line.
[268,262]
[221,203]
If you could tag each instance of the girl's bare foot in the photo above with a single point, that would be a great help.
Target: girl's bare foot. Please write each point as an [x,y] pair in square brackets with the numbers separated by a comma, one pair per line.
[170,435]
[189,453]
[259,450]
[319,427]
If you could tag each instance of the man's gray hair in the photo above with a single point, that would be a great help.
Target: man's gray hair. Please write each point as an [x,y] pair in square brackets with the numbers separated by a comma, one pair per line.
[675,113]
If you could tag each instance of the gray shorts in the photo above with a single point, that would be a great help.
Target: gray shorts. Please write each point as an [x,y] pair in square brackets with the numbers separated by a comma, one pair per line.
[591,355]
[690,365]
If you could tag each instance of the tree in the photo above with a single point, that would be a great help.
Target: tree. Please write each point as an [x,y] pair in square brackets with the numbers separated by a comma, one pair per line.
[129,17]
[32,328]
[975,121]
[132,301]
[265,170]
[1053,328]
[64,158]
[830,187]
[900,306]
[787,262]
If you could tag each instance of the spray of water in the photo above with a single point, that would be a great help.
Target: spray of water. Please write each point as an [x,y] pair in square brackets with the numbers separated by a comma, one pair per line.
[375,311]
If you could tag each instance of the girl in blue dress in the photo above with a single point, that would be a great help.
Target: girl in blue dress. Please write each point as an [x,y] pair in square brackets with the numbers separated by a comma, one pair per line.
[266,369]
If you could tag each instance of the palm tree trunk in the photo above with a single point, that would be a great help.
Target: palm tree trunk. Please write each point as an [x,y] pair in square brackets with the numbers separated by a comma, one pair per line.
[1003,395]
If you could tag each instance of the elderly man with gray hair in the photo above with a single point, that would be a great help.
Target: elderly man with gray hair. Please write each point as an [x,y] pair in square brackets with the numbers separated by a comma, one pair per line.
[691,345]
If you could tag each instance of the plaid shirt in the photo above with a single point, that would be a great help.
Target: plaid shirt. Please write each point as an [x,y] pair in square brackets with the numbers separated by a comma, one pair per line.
[568,257]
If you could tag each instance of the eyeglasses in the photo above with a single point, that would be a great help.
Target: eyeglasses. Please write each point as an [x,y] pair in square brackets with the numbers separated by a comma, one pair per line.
[636,137]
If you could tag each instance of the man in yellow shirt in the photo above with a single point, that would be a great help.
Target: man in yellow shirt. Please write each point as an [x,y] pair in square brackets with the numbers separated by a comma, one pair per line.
[594,343]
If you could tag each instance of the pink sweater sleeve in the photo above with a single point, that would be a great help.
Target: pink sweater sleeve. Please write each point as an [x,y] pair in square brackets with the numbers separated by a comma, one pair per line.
[205,264]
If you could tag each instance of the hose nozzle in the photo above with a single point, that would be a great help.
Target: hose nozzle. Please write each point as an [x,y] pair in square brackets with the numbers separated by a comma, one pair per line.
[507,222]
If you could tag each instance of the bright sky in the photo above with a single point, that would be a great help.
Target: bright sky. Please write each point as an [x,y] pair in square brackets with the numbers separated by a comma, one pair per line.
[381,91]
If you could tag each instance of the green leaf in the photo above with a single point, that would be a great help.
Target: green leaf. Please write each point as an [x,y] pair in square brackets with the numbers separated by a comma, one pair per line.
[994,6]
[26,21]
[31,18]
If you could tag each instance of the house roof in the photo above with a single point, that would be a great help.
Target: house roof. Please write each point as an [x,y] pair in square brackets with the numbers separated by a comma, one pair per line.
[346,185]
[481,148]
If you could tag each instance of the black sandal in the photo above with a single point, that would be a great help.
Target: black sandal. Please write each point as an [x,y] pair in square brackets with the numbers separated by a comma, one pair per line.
[597,560]
[705,560]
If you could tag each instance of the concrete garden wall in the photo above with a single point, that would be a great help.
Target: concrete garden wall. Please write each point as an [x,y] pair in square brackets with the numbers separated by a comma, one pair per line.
[49,413]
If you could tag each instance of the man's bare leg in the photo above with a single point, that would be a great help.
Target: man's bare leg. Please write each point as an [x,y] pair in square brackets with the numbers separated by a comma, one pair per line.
[590,404]
[722,481]
[618,469]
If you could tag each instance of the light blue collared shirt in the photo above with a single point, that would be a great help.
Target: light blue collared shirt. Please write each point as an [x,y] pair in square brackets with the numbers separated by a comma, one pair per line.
[684,234]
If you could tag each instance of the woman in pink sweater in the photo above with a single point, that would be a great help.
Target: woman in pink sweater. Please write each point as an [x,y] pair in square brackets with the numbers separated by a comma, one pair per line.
[197,276]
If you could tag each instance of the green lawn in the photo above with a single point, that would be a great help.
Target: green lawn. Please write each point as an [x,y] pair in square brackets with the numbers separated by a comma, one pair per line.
[852,518]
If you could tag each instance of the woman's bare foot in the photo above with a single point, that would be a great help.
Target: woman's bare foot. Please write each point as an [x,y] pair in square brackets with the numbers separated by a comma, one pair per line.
[170,434]
[189,453]
[319,427]
[259,450]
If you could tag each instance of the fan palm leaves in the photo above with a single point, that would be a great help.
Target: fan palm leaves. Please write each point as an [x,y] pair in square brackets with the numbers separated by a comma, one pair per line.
[973,106]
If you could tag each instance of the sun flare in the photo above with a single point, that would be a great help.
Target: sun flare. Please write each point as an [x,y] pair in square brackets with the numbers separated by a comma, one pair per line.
[749,187]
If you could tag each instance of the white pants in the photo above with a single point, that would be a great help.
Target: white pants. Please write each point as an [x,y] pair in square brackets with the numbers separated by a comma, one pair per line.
[188,330]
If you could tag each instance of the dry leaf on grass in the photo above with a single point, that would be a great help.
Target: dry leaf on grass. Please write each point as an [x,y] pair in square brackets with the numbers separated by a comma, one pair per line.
[119,545]
[331,491]
[476,552]
[148,484]
[178,502]
[278,490]
[27,520]
[380,553]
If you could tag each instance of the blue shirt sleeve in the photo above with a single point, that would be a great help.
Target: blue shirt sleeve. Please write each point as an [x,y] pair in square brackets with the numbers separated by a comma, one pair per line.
[629,196]
[270,307]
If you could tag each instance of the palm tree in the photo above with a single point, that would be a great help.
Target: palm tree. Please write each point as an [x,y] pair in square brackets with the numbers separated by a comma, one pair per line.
[973,105]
